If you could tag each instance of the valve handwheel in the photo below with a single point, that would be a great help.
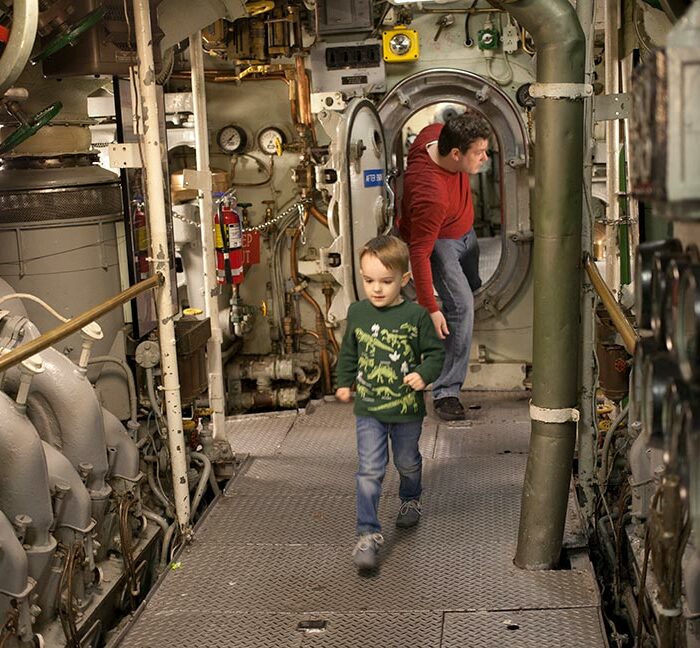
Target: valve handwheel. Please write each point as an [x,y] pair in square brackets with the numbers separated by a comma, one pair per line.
[31,126]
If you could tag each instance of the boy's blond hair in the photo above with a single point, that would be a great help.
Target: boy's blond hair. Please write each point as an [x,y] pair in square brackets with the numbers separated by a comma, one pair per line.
[392,252]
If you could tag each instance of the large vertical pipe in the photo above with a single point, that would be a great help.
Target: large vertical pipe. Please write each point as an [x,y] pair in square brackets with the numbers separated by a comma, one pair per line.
[151,151]
[586,436]
[612,137]
[557,207]
[211,303]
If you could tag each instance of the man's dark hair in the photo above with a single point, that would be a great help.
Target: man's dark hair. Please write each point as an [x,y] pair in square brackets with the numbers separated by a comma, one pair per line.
[462,131]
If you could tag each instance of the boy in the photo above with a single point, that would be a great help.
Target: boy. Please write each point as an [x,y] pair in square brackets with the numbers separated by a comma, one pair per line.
[391,352]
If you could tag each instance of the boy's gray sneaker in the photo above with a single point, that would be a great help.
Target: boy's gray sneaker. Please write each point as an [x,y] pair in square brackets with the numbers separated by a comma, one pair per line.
[364,555]
[409,514]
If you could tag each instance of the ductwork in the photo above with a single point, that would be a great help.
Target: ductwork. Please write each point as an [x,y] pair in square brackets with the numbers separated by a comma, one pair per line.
[121,450]
[65,410]
[15,584]
[72,501]
[557,214]
[24,485]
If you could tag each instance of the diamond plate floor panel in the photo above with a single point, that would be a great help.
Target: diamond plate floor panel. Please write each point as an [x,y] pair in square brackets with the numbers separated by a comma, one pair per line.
[235,630]
[532,629]
[275,550]
[259,435]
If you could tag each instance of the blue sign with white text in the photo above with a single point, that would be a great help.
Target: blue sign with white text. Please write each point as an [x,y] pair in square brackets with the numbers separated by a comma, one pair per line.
[374,177]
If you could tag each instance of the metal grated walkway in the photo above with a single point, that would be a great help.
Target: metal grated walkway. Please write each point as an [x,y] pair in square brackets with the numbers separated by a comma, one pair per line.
[270,565]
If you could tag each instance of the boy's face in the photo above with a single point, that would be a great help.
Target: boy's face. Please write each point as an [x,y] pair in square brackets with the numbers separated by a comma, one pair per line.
[382,285]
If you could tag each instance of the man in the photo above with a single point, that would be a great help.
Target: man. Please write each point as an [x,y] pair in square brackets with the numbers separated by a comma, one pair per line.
[437,218]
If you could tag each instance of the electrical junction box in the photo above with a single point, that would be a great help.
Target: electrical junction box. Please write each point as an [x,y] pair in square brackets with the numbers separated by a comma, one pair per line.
[352,68]
[665,126]
[344,16]
[400,44]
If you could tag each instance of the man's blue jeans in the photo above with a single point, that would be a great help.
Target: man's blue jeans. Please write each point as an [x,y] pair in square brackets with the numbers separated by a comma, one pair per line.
[455,267]
[373,456]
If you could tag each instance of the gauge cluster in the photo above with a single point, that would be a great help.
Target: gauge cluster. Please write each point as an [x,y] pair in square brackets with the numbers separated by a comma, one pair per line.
[233,139]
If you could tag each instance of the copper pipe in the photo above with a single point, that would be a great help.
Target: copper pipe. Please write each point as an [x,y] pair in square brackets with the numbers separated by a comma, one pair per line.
[303,93]
[624,328]
[328,292]
[305,331]
[320,321]
[75,323]
[319,216]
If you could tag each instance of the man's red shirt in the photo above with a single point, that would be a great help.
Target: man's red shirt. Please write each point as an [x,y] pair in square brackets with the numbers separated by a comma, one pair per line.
[436,204]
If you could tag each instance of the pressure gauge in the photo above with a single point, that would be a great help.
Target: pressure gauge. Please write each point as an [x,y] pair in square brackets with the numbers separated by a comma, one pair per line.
[271,140]
[232,139]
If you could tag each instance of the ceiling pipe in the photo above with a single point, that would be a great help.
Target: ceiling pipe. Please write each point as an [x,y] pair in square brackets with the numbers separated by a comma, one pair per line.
[25,18]
[559,92]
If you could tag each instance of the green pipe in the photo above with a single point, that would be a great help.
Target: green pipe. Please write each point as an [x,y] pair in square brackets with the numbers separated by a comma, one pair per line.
[587,448]
[557,209]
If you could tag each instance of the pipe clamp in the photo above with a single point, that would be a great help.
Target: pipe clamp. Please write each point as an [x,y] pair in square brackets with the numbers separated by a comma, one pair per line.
[561,90]
[547,415]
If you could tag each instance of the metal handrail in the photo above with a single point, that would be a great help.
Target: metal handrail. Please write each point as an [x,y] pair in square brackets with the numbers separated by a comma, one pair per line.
[619,320]
[75,323]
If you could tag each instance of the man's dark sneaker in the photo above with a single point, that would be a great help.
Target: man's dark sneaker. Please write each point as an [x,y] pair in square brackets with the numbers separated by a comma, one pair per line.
[364,555]
[449,409]
[409,514]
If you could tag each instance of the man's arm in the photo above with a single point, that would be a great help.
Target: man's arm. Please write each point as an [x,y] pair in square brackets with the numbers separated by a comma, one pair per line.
[440,324]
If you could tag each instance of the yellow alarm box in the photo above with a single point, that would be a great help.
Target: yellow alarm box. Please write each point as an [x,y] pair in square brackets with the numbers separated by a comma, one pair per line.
[400,44]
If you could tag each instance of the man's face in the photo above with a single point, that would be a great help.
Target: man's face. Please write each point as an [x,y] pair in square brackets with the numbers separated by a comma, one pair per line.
[476,155]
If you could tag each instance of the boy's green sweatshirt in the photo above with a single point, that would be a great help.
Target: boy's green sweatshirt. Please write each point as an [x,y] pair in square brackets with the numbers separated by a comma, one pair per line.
[380,347]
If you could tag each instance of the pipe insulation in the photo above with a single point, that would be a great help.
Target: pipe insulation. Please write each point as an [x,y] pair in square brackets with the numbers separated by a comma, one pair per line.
[557,213]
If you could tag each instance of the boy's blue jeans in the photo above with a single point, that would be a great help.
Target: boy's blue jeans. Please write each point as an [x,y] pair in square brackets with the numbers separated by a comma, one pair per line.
[373,455]
[455,289]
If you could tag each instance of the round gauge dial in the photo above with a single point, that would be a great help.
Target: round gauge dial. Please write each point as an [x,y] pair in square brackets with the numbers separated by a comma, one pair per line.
[232,139]
[271,140]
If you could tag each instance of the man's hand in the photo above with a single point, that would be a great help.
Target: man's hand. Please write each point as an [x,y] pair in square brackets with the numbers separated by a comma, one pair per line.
[343,394]
[440,324]
[414,381]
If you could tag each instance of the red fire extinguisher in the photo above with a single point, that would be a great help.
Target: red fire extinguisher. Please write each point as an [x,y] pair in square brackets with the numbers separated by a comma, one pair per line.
[228,244]
[219,243]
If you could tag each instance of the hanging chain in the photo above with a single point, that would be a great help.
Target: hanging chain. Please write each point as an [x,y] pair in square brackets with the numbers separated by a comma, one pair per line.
[297,206]
[302,223]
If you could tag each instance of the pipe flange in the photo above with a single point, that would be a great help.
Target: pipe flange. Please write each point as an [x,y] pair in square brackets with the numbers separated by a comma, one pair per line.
[549,415]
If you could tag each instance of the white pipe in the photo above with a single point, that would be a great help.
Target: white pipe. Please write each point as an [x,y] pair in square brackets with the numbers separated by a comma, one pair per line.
[151,150]
[612,137]
[211,288]
[25,18]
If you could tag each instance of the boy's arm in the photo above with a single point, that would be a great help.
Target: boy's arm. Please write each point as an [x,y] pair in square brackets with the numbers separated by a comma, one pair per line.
[347,359]
[431,348]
